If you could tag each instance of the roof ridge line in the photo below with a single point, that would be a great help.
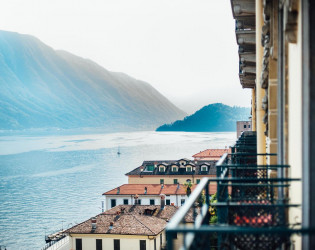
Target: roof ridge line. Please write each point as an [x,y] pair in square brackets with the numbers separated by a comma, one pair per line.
[143,224]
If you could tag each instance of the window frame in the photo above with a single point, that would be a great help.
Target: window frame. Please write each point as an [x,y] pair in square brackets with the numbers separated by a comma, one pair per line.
[117,245]
[143,244]
[149,167]
[111,203]
[78,246]
[99,247]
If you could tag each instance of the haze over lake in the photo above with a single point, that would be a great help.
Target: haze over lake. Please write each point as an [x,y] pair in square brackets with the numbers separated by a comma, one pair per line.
[52,182]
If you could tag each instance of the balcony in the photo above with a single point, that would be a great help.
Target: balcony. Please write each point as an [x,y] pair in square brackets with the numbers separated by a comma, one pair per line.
[249,211]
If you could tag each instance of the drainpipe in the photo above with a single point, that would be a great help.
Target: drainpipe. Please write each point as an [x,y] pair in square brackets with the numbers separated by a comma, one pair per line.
[253,109]
[260,126]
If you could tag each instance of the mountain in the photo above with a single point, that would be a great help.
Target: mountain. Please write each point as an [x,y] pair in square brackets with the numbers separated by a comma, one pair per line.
[41,87]
[215,117]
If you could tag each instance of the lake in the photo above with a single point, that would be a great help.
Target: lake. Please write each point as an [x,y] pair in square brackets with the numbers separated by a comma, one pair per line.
[52,182]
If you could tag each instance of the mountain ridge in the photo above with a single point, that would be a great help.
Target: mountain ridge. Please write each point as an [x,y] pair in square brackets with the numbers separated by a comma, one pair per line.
[42,87]
[216,117]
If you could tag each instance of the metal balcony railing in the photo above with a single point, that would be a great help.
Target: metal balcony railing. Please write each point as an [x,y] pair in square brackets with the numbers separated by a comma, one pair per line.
[247,211]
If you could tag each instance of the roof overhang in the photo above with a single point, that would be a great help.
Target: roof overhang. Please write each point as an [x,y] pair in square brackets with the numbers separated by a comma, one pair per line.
[244,15]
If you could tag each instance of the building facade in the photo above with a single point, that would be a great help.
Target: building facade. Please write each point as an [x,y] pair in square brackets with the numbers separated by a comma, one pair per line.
[149,194]
[276,47]
[124,227]
[211,154]
[242,126]
[171,172]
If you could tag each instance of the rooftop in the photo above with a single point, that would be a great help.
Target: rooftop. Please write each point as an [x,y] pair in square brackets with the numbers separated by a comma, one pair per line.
[195,164]
[152,189]
[212,153]
[125,224]
[129,220]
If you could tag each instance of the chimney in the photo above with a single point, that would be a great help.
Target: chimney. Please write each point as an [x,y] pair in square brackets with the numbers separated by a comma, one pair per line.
[177,186]
[162,201]
[93,219]
[136,199]
[162,204]
[111,224]
[145,190]
[162,186]
[118,190]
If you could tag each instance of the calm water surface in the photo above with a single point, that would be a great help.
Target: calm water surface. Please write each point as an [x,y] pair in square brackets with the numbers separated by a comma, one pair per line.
[52,182]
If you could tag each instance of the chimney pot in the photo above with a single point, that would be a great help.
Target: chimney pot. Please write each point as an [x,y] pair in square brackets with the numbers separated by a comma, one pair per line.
[93,220]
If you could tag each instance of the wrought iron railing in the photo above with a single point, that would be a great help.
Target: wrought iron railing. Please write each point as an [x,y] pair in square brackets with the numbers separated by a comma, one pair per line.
[250,214]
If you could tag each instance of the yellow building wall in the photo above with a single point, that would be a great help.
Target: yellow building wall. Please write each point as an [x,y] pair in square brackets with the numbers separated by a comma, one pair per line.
[127,242]
[295,126]
[168,179]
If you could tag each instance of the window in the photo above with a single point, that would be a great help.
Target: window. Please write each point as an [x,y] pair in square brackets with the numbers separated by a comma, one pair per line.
[168,202]
[113,203]
[150,168]
[204,168]
[188,169]
[244,125]
[78,244]
[161,181]
[175,181]
[99,244]
[116,244]
[139,201]
[152,202]
[188,180]
[198,181]
[126,201]
[174,169]
[248,126]
[143,245]
[182,201]
[154,243]
[161,240]
[162,169]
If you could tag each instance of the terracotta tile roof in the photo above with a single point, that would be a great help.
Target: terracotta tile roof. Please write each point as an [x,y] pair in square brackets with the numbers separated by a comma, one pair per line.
[130,220]
[165,214]
[154,189]
[151,189]
[212,153]
[125,224]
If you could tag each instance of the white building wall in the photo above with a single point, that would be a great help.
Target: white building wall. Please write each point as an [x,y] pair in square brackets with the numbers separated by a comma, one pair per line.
[126,242]
[295,123]
[145,199]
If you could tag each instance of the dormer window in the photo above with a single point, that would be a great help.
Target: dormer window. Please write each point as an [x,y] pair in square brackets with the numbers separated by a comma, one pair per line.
[150,168]
[162,168]
[188,169]
[204,168]
[174,169]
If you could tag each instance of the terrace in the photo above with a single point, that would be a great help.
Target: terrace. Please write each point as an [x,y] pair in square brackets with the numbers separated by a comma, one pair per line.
[251,205]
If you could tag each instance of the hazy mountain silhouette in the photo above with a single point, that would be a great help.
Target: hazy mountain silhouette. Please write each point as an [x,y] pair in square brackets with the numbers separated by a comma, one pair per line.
[41,87]
[215,117]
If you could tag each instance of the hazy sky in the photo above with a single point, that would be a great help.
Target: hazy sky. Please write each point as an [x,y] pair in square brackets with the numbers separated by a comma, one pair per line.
[186,49]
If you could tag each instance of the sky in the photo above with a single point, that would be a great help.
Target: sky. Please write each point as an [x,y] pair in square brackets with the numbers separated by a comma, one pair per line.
[186,49]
